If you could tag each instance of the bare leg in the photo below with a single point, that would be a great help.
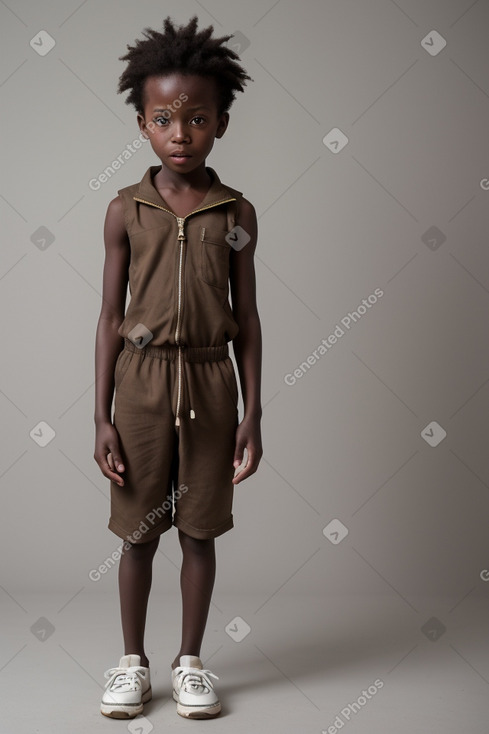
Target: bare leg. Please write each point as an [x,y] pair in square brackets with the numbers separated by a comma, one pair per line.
[196,583]
[135,575]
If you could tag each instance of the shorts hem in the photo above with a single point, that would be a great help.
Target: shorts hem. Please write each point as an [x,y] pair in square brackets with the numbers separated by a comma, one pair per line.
[145,536]
[203,533]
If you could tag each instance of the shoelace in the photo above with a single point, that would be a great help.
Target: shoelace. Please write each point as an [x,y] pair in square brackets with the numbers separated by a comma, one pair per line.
[119,677]
[191,679]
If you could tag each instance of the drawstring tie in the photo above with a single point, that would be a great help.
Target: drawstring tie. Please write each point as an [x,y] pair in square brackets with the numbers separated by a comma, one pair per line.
[179,395]
[176,352]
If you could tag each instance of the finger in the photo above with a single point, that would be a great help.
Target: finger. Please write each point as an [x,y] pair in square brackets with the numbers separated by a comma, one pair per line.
[115,461]
[238,464]
[241,475]
[109,472]
[114,477]
[246,469]
[239,454]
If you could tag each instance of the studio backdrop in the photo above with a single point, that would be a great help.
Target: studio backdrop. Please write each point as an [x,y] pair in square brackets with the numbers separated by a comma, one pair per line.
[362,143]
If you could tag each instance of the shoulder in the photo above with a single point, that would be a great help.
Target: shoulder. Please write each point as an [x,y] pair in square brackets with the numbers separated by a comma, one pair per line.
[115,218]
[244,209]
[246,232]
[115,208]
[244,213]
[246,216]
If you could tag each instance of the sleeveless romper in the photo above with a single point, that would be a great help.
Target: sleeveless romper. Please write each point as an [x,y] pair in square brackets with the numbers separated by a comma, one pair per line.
[176,393]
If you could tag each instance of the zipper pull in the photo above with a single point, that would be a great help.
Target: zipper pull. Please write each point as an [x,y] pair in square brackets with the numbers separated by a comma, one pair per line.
[181,233]
[192,414]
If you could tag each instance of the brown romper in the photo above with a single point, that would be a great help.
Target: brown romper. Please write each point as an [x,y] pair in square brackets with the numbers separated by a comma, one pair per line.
[176,394]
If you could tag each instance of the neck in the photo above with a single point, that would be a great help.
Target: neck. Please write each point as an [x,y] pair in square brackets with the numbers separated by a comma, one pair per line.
[198,179]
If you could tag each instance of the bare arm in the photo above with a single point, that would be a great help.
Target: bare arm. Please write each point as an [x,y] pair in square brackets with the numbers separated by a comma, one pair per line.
[247,344]
[108,342]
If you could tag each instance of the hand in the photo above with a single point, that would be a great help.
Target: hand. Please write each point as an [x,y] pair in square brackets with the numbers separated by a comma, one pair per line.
[107,452]
[248,436]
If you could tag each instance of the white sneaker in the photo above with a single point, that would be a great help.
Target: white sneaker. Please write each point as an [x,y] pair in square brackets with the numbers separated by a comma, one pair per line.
[128,687]
[193,689]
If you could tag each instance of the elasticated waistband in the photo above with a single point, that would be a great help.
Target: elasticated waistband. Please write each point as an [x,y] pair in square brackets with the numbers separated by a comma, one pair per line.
[189,354]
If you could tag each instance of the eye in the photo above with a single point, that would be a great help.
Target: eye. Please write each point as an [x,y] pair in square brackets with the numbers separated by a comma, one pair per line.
[163,122]
[199,117]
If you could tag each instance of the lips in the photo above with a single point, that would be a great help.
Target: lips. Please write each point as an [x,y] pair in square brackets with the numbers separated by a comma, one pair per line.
[178,154]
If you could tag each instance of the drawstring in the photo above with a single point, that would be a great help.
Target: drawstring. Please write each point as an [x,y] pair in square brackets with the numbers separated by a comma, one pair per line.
[180,354]
[179,394]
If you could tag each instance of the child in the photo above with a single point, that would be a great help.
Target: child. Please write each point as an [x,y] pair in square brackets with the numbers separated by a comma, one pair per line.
[181,238]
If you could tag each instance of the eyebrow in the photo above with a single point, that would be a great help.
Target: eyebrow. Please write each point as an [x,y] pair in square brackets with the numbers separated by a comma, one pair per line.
[191,109]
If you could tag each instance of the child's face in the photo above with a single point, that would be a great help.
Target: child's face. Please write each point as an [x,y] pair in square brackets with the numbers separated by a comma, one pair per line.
[181,115]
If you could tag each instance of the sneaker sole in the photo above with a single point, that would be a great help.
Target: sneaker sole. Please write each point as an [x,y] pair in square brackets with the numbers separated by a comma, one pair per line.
[125,711]
[192,712]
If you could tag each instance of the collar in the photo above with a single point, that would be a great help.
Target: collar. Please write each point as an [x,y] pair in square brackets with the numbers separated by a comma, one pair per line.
[147,190]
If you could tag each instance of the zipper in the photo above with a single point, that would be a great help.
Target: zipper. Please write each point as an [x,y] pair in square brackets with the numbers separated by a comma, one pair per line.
[195,211]
[181,240]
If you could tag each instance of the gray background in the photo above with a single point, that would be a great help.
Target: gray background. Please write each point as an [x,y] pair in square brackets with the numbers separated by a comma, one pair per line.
[401,207]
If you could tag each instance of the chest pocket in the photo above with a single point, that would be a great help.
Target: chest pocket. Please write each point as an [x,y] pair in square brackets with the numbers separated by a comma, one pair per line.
[214,257]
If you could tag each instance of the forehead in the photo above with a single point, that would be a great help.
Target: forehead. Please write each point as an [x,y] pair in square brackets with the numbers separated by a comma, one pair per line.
[165,88]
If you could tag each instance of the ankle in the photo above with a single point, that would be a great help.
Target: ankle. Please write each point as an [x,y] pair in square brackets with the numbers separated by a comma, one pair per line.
[144,662]
[176,662]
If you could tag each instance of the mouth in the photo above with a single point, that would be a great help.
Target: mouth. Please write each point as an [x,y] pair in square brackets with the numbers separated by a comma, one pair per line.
[180,156]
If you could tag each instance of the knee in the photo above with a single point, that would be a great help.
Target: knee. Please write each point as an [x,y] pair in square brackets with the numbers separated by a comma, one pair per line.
[143,551]
[197,546]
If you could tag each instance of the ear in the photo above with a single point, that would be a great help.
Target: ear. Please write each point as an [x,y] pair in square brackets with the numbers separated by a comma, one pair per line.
[222,124]
[142,125]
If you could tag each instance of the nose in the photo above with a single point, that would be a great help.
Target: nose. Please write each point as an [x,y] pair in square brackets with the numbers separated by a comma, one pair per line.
[179,132]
